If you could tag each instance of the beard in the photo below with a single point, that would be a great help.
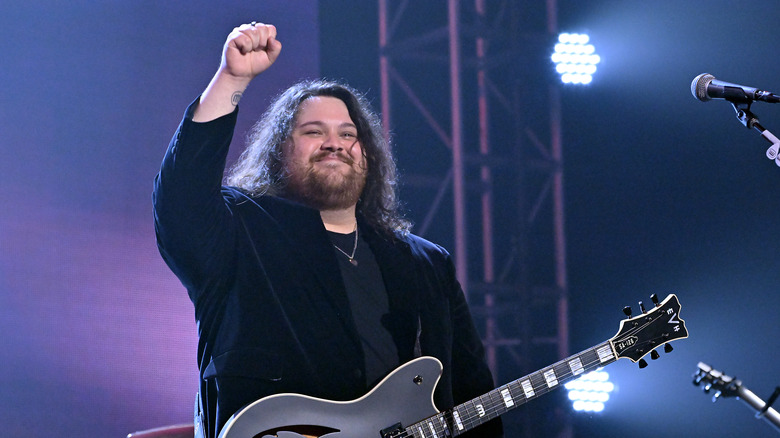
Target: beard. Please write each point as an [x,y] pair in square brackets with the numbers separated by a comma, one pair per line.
[325,187]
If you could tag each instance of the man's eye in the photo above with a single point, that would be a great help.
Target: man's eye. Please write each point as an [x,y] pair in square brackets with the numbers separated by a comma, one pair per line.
[349,135]
[312,133]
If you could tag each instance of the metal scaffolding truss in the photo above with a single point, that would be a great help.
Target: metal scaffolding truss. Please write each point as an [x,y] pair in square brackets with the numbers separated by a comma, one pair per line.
[497,157]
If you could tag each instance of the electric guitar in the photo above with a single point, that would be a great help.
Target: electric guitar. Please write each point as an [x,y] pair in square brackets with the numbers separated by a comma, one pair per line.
[722,385]
[401,405]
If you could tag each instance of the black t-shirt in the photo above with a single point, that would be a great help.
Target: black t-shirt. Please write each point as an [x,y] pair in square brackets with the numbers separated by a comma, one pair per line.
[368,301]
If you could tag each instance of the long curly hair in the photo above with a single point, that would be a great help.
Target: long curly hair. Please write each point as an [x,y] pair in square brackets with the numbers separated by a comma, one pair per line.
[260,169]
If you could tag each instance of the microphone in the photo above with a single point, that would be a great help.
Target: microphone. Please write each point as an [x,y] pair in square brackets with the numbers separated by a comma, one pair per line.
[705,87]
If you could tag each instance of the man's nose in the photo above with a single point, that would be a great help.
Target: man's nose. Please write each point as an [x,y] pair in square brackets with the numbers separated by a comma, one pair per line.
[331,143]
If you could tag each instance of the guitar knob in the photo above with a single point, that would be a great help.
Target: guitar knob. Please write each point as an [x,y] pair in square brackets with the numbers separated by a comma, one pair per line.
[642,307]
[627,311]
[668,348]
[654,299]
[654,355]
[642,363]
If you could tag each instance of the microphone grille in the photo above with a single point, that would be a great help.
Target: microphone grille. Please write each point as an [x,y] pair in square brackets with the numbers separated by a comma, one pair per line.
[699,86]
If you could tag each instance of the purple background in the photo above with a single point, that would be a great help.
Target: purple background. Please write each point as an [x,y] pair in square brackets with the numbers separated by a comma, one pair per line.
[663,194]
[98,337]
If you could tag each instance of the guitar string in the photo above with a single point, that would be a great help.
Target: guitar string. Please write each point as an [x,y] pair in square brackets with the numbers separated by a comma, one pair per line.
[543,388]
[496,404]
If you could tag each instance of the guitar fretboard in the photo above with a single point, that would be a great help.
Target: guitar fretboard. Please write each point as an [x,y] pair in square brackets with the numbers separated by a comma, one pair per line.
[497,402]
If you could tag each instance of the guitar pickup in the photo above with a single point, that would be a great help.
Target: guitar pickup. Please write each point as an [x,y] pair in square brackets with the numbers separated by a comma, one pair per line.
[392,431]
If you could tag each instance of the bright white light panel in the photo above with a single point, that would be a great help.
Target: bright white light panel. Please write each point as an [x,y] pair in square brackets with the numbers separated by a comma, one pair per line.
[575,58]
[590,392]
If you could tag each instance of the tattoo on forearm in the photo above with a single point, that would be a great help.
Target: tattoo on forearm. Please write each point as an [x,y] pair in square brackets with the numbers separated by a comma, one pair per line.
[236,97]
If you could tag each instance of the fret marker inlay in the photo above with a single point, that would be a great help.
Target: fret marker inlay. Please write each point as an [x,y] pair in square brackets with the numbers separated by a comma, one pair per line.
[576,366]
[527,388]
[605,353]
[549,376]
[507,398]
[433,430]
[457,420]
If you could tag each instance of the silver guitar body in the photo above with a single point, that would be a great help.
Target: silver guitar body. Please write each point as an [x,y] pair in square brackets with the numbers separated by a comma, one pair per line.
[405,396]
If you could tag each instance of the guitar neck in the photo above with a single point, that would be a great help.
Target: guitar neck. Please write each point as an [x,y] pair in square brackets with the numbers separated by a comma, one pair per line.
[497,402]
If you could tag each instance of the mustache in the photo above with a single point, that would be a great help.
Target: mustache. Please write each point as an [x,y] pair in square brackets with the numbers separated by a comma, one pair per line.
[319,156]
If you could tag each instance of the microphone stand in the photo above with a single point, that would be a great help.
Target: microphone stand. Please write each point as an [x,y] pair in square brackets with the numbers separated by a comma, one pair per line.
[763,409]
[750,121]
[728,386]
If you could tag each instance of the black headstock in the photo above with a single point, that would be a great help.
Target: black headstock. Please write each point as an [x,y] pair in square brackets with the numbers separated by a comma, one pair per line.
[642,334]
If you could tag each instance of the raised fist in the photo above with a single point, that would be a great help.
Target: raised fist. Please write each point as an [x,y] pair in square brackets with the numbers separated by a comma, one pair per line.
[250,49]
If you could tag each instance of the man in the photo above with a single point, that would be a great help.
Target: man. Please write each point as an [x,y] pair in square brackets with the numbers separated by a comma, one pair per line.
[303,275]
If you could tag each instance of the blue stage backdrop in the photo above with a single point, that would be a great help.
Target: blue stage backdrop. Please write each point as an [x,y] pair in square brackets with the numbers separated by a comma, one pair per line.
[663,194]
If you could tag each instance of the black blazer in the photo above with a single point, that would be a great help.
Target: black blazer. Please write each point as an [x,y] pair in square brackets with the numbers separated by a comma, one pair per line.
[270,303]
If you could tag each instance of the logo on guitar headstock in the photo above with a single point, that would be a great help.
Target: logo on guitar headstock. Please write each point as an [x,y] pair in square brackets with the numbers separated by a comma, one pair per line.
[674,319]
[624,343]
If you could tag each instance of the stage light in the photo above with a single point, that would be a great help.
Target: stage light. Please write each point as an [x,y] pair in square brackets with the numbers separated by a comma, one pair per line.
[590,392]
[575,58]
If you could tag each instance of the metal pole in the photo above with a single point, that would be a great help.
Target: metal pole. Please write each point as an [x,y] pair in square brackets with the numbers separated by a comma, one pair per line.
[384,68]
[486,178]
[556,146]
[458,186]
[559,224]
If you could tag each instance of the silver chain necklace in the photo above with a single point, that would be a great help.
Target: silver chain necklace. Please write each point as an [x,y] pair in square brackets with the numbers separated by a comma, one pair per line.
[351,258]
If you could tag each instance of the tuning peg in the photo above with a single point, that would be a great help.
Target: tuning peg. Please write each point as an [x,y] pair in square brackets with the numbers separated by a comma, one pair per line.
[642,363]
[654,299]
[627,311]
[642,307]
[654,355]
[668,348]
